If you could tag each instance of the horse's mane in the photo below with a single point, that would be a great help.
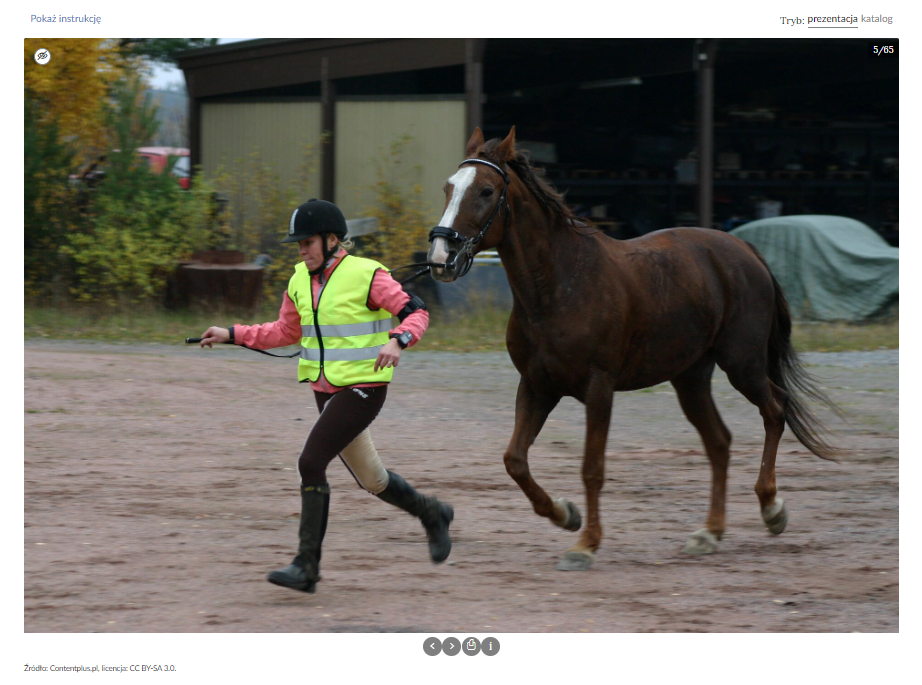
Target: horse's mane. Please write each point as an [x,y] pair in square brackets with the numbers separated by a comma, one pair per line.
[533,178]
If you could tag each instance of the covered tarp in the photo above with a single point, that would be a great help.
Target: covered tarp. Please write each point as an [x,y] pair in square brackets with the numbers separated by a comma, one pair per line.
[831,268]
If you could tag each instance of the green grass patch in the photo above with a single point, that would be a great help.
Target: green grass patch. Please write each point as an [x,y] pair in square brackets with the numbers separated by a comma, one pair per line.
[479,331]
[141,324]
[844,337]
[482,329]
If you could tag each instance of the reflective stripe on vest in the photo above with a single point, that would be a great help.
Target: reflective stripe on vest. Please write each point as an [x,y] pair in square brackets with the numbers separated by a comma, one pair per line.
[346,330]
[313,354]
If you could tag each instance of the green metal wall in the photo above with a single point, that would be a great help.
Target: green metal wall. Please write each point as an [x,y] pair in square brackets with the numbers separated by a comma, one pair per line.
[286,135]
[365,132]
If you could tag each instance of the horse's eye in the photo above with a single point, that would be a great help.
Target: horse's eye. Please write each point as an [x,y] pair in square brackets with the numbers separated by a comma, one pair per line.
[486,192]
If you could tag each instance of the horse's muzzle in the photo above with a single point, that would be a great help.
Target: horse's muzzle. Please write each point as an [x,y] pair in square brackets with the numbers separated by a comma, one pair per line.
[456,255]
[457,265]
[443,275]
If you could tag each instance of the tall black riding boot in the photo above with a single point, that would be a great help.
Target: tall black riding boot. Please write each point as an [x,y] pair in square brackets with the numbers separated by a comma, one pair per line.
[304,571]
[435,516]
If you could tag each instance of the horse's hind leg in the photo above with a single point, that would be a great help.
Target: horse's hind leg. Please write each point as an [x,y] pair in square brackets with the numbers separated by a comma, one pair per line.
[771,401]
[531,411]
[694,390]
[774,512]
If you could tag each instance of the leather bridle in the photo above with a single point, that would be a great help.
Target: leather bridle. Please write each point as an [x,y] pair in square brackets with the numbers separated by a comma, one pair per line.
[467,244]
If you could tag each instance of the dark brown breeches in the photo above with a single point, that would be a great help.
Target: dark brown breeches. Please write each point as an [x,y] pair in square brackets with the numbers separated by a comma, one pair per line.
[343,415]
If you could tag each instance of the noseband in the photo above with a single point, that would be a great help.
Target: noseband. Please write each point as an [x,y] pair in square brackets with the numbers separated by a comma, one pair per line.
[467,244]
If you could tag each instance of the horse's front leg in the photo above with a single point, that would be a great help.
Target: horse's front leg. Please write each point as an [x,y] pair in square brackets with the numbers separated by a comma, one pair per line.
[599,397]
[531,411]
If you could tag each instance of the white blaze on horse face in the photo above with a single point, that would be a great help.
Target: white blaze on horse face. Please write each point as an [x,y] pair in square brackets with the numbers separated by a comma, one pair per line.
[459,183]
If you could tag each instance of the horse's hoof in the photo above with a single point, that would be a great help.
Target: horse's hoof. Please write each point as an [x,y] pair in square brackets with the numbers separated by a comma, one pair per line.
[574,520]
[701,542]
[576,561]
[775,516]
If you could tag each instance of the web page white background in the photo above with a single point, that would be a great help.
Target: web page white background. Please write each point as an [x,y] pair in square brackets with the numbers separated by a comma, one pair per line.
[399,657]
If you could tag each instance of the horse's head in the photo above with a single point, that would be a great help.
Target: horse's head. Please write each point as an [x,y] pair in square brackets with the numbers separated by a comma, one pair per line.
[476,208]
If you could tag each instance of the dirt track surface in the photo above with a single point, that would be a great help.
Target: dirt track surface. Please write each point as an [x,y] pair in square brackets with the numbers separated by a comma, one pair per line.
[160,488]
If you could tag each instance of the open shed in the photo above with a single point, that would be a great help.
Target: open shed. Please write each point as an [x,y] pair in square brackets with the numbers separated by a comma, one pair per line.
[640,133]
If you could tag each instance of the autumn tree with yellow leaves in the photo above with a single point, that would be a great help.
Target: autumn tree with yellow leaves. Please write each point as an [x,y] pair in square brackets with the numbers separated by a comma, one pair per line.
[73,87]
[70,91]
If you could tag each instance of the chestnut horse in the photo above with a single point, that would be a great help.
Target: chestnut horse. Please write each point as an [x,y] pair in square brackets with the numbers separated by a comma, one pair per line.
[592,316]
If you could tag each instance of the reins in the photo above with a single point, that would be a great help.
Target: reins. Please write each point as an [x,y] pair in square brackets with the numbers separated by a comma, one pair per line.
[427,267]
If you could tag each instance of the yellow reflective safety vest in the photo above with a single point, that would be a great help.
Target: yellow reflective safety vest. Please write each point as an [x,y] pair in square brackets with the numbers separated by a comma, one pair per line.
[342,336]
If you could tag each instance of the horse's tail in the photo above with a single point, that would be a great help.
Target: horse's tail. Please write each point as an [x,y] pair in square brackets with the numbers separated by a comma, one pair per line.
[787,372]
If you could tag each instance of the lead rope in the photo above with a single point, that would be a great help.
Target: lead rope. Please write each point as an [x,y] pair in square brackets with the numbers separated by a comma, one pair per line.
[190,341]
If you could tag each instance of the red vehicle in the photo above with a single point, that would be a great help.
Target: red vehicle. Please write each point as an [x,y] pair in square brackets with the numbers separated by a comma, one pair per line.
[157,158]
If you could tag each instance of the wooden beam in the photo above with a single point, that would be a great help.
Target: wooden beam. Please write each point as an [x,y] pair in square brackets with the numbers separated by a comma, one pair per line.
[195,134]
[704,56]
[276,64]
[328,133]
[473,84]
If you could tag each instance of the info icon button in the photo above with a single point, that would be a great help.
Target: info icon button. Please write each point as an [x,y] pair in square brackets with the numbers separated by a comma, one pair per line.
[489,646]
[471,646]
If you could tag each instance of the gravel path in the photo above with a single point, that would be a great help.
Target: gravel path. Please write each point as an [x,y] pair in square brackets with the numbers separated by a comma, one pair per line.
[160,489]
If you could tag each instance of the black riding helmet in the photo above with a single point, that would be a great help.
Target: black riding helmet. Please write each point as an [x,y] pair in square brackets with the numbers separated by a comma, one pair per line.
[316,217]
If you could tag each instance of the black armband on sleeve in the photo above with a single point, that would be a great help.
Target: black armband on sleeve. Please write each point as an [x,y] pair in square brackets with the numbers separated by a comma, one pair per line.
[415,303]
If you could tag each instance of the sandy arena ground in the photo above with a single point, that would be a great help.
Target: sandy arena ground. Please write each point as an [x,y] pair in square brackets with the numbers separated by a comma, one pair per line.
[160,488]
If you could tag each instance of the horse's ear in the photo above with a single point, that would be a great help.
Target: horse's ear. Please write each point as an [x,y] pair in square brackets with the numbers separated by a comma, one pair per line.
[506,149]
[474,143]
